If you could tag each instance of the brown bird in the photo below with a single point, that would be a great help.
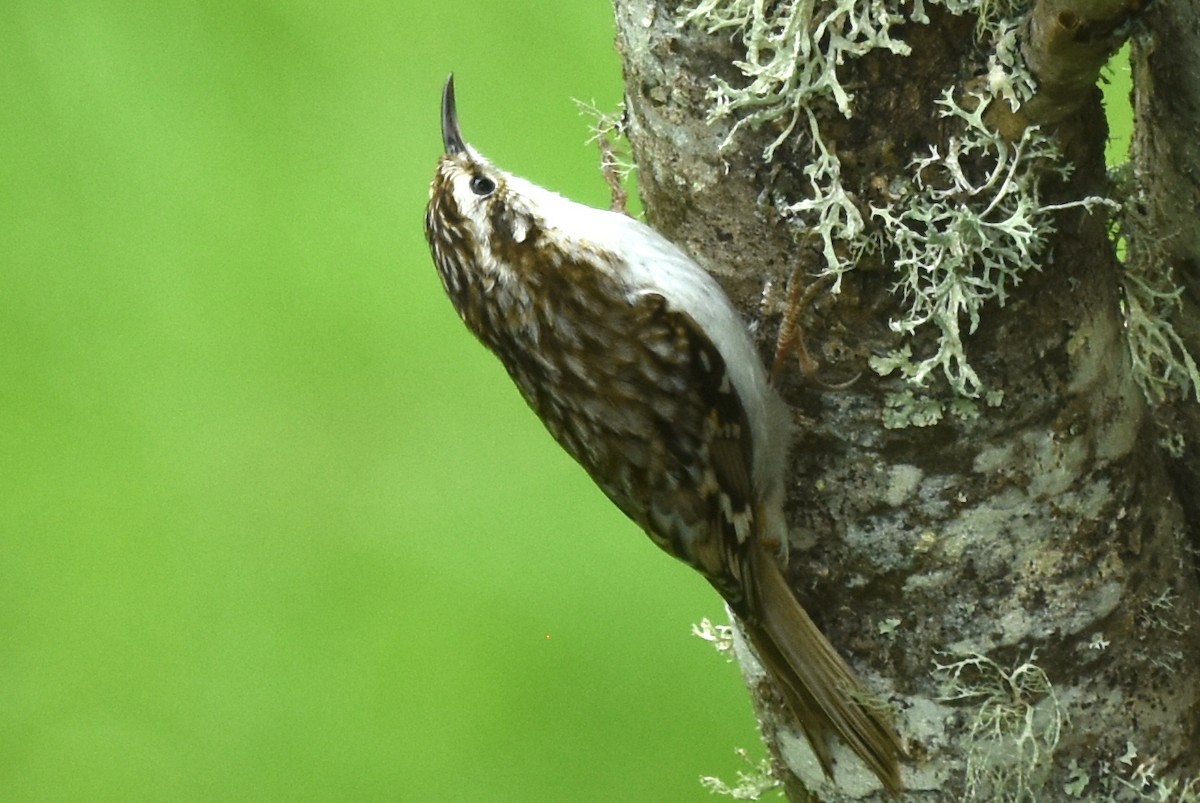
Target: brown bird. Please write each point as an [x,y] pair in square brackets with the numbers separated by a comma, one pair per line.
[640,367]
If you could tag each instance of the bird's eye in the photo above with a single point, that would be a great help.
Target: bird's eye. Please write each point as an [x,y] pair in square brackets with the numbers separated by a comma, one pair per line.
[482,185]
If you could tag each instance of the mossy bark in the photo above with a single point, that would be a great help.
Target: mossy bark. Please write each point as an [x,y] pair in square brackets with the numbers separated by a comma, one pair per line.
[1017,579]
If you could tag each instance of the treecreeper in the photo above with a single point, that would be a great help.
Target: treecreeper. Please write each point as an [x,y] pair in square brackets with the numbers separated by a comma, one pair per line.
[640,367]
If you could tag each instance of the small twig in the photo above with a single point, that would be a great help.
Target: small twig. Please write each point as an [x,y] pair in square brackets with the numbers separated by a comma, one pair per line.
[610,167]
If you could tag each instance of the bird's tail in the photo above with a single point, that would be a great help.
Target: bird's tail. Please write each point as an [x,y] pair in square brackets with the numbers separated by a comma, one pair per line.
[822,691]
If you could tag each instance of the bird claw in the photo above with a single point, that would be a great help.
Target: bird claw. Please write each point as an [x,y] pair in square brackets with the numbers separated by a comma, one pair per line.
[791,339]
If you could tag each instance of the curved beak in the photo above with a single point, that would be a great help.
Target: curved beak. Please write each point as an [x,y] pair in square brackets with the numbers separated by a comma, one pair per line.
[451,137]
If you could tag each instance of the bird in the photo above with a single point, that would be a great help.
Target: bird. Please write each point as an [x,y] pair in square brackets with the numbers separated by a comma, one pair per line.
[640,367]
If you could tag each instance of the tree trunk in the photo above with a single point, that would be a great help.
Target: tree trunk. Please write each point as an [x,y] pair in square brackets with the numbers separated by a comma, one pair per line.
[996,520]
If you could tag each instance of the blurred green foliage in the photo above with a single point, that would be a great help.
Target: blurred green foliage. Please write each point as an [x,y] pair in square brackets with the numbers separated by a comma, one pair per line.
[1116,82]
[274,527]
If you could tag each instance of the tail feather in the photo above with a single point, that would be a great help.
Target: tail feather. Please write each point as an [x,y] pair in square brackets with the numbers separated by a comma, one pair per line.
[821,689]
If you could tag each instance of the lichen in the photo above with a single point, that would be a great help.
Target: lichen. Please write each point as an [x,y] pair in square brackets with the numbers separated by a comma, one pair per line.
[1015,723]
[1159,614]
[904,408]
[793,50]
[962,242]
[749,785]
[611,139]
[915,407]
[719,636]
[830,212]
[1007,76]
[1128,777]
[1152,295]
[1162,365]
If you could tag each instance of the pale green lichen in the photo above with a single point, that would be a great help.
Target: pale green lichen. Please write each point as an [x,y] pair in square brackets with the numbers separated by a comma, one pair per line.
[1141,777]
[904,408]
[616,159]
[1162,364]
[830,212]
[793,50]
[1160,360]
[719,636]
[963,242]
[994,15]
[1159,614]
[915,408]
[749,785]
[1128,777]
[1077,780]
[608,132]
[1016,721]
[1007,76]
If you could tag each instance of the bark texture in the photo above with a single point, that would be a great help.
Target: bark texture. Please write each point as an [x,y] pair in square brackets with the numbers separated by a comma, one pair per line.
[1017,576]
[1165,206]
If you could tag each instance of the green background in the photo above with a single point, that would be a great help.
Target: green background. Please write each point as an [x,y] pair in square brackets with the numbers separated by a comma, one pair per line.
[273,525]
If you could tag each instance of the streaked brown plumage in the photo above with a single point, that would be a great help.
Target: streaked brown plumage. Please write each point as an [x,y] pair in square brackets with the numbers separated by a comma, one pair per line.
[641,369]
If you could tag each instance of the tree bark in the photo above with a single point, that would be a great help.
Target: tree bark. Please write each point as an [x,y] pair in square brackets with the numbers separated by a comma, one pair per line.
[997,522]
[1163,210]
